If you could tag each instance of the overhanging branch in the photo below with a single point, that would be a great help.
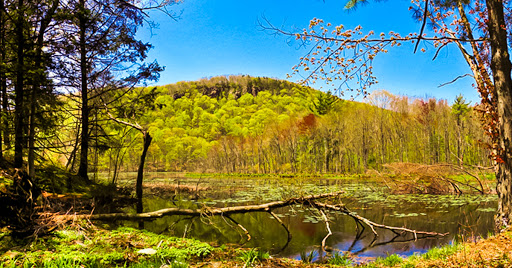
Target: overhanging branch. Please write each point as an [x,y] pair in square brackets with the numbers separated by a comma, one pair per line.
[454,80]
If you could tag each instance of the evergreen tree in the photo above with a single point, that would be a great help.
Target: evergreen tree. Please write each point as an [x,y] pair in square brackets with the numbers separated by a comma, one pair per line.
[106,54]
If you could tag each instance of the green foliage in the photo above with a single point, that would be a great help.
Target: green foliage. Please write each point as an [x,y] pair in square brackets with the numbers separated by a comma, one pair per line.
[442,252]
[253,256]
[187,120]
[389,261]
[392,260]
[460,107]
[435,253]
[339,258]
[179,264]
[100,248]
[243,124]
[307,257]
[324,103]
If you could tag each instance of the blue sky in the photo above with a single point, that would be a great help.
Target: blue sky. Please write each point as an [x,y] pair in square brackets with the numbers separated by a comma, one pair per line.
[222,37]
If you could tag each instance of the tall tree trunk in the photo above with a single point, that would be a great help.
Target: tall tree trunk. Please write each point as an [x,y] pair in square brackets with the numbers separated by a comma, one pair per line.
[31,135]
[364,147]
[446,146]
[84,138]
[19,115]
[501,67]
[459,141]
[3,81]
[32,123]
[5,103]
[70,164]
[37,81]
[140,171]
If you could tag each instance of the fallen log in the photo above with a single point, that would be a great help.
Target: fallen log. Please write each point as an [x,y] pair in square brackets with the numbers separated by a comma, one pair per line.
[267,207]
[199,212]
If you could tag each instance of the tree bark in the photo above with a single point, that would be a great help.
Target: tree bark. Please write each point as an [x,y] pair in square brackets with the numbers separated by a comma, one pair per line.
[19,114]
[201,212]
[501,68]
[140,171]
[84,136]
[3,80]
[36,85]
[32,135]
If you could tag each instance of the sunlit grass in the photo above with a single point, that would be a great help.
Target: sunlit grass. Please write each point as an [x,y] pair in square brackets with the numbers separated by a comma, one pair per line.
[340,259]
[102,248]
[442,252]
[253,256]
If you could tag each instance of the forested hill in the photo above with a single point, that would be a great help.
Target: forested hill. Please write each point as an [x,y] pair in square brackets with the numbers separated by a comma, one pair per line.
[263,125]
[188,119]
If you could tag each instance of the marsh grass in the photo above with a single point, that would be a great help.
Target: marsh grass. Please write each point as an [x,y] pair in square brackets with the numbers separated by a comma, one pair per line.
[389,261]
[442,252]
[340,259]
[253,256]
[307,257]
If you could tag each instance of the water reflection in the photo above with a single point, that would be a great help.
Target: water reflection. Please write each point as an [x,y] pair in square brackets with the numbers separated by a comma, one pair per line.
[465,216]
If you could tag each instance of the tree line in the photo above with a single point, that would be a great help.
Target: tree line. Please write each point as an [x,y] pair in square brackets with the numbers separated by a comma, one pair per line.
[356,137]
[243,124]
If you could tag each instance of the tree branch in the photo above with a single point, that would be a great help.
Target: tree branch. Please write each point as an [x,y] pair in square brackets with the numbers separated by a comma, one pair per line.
[241,227]
[371,224]
[453,81]
[329,232]
[202,212]
[422,26]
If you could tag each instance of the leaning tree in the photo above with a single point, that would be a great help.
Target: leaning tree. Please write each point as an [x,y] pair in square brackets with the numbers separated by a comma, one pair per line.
[343,58]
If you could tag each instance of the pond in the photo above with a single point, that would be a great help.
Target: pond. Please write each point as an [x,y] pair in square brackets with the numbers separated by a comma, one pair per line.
[463,217]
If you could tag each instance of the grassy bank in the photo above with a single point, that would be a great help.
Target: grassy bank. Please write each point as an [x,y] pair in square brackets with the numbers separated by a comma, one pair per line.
[90,246]
[125,247]
[93,247]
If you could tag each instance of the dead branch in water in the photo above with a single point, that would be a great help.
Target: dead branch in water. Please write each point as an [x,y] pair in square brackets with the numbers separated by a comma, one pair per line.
[267,207]
[202,212]
[373,225]
[328,227]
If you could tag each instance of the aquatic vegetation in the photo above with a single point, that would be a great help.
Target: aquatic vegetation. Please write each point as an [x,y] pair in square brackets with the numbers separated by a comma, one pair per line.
[307,257]
[369,199]
[339,258]
[252,256]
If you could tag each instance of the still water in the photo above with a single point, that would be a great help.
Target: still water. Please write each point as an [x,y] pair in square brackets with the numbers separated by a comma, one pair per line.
[463,217]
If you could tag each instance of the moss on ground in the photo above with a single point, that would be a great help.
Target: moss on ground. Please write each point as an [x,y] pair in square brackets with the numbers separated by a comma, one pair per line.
[92,247]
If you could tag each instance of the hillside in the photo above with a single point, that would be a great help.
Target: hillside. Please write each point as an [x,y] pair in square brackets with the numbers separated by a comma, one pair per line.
[188,119]
[263,125]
